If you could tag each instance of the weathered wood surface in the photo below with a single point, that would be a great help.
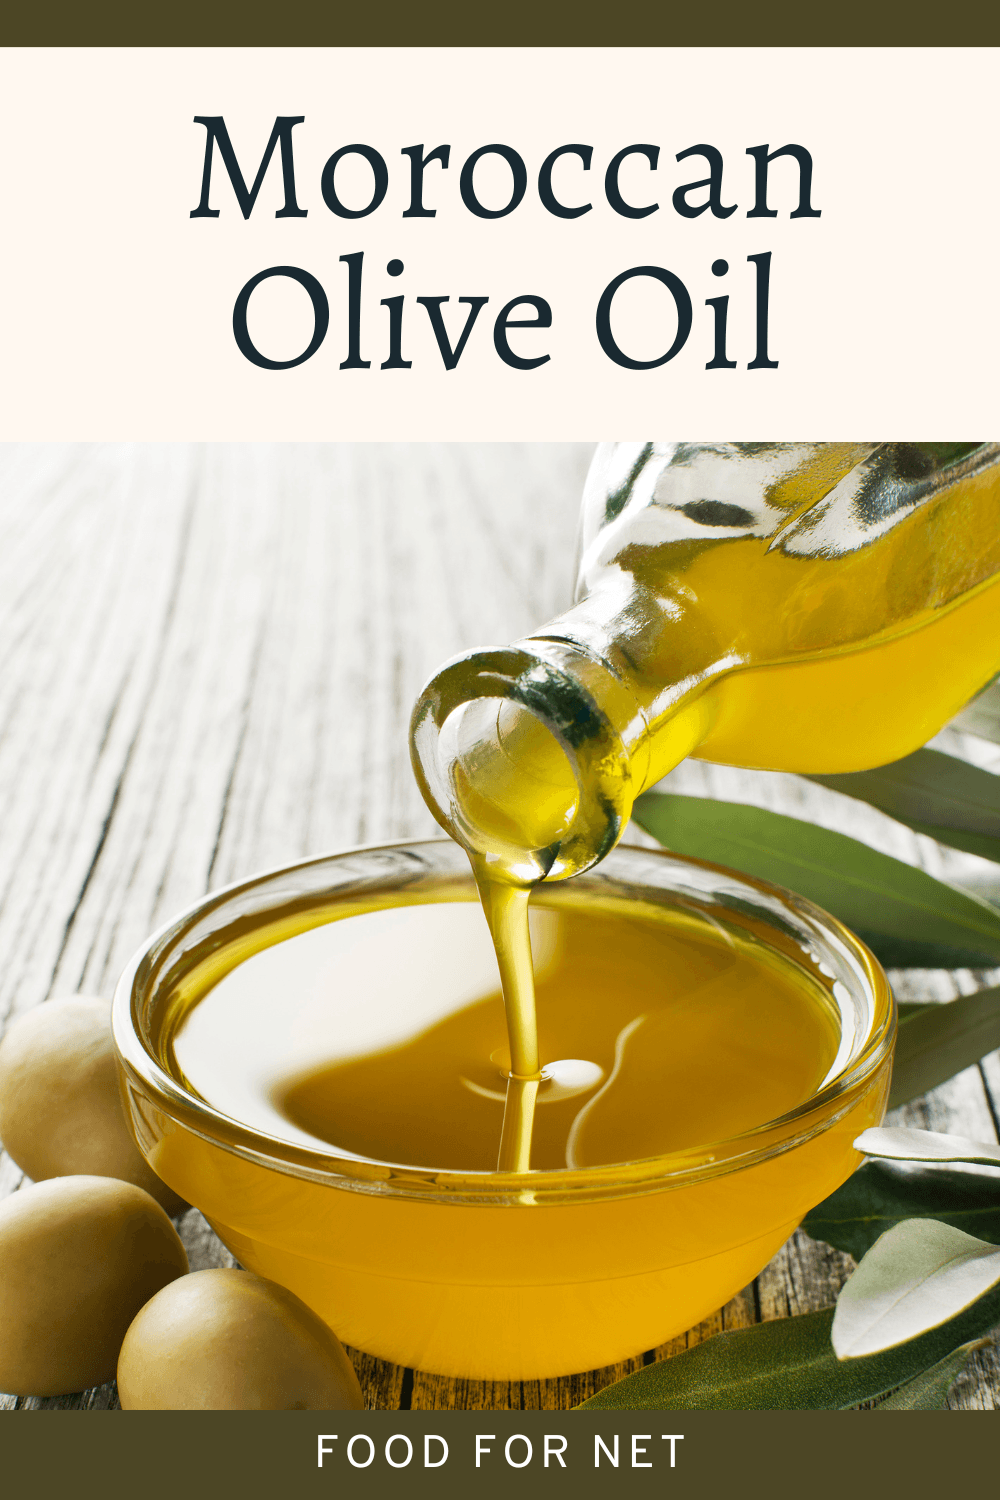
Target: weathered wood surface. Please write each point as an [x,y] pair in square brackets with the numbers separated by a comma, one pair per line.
[209,657]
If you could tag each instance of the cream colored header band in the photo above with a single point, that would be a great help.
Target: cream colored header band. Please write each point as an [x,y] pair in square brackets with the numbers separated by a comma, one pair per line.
[497,244]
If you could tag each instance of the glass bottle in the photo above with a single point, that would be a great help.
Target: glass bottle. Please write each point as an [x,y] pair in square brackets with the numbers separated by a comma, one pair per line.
[813,607]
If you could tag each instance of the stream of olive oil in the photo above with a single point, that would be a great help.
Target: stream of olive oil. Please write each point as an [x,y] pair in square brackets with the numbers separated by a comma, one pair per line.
[513,782]
[505,908]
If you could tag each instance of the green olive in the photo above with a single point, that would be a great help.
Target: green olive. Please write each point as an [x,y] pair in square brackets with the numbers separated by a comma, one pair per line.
[230,1341]
[79,1256]
[60,1104]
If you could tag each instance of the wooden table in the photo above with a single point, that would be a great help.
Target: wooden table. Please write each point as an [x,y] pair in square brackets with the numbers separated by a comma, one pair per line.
[209,658]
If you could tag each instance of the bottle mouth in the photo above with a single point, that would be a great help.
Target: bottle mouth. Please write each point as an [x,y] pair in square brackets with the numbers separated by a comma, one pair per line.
[511,782]
[520,760]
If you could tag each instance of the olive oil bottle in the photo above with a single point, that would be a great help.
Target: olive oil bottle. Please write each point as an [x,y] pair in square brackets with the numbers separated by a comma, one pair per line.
[814,607]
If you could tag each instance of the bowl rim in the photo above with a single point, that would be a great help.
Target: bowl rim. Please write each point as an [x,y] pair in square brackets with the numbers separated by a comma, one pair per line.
[144,1074]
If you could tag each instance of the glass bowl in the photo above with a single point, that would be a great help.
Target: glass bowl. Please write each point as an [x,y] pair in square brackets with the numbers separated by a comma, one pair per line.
[483,1274]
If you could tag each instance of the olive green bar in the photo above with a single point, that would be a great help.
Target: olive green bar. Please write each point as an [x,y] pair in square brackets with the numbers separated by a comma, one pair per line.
[201,1455]
[515,23]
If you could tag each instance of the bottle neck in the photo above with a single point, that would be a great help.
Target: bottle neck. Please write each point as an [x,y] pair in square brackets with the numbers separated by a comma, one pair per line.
[530,756]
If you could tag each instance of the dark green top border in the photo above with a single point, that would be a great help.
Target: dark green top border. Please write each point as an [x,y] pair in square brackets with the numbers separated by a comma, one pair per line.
[521,23]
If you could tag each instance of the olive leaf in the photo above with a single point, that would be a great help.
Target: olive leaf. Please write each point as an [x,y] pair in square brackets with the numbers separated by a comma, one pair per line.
[901,1144]
[788,1364]
[914,1278]
[881,1194]
[905,916]
[937,1041]
[982,715]
[936,794]
[929,1391]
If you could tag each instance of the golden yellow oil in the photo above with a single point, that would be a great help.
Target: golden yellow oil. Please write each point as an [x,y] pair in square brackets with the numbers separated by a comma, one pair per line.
[383,1036]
